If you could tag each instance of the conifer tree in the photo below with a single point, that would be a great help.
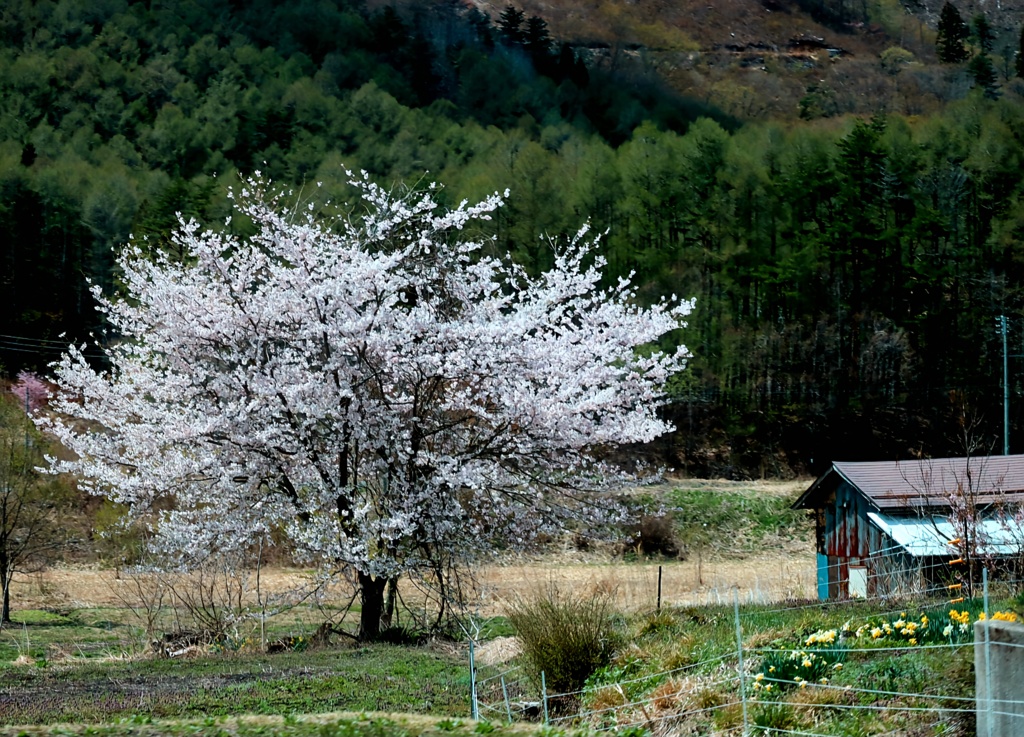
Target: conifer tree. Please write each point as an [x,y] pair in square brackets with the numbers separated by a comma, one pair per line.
[952,32]
[983,32]
[510,23]
[536,37]
[984,75]
[1020,54]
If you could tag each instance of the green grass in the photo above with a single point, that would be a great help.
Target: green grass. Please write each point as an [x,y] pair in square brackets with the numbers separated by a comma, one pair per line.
[741,518]
[703,641]
[79,677]
[375,678]
[326,725]
[44,635]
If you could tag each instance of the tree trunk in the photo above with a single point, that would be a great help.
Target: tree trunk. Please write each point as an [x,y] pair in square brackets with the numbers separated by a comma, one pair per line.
[390,601]
[5,597]
[6,574]
[371,596]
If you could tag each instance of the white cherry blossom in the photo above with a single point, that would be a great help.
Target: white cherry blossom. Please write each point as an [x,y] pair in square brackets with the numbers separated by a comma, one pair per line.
[377,388]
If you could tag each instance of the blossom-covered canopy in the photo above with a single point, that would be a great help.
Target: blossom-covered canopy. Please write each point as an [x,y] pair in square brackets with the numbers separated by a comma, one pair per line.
[377,387]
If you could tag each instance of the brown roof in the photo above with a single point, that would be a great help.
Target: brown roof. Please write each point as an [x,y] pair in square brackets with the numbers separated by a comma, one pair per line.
[928,483]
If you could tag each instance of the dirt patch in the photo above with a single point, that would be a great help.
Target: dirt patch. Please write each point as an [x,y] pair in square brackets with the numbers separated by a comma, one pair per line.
[498,650]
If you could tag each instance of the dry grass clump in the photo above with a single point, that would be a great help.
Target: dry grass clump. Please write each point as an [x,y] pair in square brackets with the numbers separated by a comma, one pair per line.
[565,636]
[670,695]
[607,698]
[815,697]
[657,622]
[766,637]
[680,655]
[728,717]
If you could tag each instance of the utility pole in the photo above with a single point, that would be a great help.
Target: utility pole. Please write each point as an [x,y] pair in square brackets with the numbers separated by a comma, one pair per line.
[1006,390]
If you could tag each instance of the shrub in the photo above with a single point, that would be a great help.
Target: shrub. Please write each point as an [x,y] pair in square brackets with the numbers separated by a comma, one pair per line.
[770,717]
[565,637]
[656,623]
[656,536]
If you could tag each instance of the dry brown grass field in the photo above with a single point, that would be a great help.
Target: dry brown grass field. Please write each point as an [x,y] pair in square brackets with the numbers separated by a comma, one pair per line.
[770,568]
[633,586]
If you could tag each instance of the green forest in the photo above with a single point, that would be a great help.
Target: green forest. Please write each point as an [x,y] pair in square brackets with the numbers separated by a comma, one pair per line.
[848,272]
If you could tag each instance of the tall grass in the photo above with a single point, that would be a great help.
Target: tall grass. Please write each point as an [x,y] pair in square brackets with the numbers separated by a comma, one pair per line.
[565,636]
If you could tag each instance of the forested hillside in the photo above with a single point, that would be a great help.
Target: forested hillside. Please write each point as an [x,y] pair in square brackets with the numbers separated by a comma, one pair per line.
[847,270]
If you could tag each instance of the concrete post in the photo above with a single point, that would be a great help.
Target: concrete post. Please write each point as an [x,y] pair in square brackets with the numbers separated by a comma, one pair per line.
[1001,668]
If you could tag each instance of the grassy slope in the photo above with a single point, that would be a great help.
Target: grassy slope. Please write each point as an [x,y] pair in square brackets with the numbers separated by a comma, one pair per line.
[693,638]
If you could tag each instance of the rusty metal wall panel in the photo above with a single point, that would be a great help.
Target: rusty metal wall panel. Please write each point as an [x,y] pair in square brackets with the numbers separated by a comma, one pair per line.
[847,529]
[849,538]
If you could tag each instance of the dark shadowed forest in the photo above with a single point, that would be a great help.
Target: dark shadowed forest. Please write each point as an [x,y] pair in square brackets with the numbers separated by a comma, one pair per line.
[848,270]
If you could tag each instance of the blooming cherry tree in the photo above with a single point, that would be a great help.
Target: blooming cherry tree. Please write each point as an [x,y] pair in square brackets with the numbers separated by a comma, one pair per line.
[31,390]
[377,388]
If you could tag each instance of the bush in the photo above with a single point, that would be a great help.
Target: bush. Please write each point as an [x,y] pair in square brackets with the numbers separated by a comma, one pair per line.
[565,637]
[656,536]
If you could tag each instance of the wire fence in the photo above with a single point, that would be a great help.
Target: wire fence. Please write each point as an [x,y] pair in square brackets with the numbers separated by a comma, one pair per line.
[725,694]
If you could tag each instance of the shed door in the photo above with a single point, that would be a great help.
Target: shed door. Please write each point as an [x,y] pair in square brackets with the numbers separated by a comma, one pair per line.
[858,582]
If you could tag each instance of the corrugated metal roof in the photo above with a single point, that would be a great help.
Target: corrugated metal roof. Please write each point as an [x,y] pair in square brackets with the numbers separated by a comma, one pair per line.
[924,536]
[930,483]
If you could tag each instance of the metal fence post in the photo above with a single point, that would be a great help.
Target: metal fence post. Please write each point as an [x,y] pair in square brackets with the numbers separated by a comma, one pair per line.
[544,695]
[988,655]
[474,708]
[739,654]
[504,692]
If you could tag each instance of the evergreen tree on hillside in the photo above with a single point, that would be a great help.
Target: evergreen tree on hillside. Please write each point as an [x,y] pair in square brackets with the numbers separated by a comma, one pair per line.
[1020,54]
[983,32]
[510,23]
[536,37]
[983,72]
[952,32]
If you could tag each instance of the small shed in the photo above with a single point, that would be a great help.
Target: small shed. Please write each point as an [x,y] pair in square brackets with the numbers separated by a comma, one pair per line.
[884,527]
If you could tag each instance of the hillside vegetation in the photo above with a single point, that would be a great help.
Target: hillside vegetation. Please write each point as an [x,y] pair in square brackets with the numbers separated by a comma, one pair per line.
[770,58]
[847,271]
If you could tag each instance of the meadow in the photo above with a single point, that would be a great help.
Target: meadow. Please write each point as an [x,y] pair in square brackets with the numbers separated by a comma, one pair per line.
[77,659]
